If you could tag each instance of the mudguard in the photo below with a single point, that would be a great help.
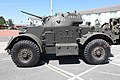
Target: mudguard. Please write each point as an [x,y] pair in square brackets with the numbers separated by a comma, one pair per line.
[23,36]
[90,35]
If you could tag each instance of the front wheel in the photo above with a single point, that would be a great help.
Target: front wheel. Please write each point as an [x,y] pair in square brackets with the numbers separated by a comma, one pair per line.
[97,51]
[25,53]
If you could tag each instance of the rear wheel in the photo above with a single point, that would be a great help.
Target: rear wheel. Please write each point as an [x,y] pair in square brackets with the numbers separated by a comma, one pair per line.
[97,51]
[25,53]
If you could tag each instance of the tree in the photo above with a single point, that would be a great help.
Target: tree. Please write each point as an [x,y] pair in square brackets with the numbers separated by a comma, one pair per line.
[2,21]
[10,23]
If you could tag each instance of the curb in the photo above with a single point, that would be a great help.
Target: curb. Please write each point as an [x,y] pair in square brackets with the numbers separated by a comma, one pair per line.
[9,32]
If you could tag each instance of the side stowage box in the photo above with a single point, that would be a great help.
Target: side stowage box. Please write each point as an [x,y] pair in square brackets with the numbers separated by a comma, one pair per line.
[65,49]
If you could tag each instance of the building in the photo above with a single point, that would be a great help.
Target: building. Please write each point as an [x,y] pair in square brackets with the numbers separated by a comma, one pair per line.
[101,14]
[18,26]
[34,21]
[3,27]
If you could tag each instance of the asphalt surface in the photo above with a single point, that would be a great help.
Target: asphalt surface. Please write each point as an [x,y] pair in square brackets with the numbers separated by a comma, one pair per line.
[59,68]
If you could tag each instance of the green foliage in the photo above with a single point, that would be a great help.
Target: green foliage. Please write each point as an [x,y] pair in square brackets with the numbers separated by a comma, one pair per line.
[2,21]
[10,23]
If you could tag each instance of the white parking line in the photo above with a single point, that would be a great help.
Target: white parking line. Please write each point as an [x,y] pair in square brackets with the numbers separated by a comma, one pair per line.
[5,59]
[115,60]
[62,72]
[115,63]
[112,58]
[84,72]
[90,69]
[57,71]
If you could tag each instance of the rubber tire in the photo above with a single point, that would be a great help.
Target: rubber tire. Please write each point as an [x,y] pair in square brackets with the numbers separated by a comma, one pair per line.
[25,44]
[91,45]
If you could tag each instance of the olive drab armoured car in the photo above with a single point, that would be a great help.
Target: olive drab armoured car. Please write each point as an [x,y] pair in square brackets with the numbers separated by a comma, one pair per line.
[64,35]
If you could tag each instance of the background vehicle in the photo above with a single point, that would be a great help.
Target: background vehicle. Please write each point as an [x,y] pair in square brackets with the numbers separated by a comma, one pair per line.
[64,35]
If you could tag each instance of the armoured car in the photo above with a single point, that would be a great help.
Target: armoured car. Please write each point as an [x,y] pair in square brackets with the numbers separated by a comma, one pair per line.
[64,35]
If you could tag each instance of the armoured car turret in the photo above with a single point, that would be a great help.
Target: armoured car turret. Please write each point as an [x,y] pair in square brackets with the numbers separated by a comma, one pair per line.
[62,34]
[59,19]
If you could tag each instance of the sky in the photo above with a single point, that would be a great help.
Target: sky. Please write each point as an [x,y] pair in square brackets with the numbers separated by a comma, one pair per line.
[11,9]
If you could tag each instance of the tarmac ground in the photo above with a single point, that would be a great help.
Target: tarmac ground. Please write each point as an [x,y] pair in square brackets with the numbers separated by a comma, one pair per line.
[59,68]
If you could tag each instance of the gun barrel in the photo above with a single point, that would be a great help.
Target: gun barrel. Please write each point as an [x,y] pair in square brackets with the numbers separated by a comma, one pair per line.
[31,14]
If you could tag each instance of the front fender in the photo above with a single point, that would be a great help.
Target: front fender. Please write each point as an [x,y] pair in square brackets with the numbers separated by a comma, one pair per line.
[94,35]
[32,37]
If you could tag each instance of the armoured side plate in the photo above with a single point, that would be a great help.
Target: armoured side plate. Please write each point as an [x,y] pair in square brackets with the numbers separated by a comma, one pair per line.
[66,49]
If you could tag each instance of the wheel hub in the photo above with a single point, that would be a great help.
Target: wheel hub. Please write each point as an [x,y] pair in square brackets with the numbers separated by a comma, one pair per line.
[25,55]
[98,53]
